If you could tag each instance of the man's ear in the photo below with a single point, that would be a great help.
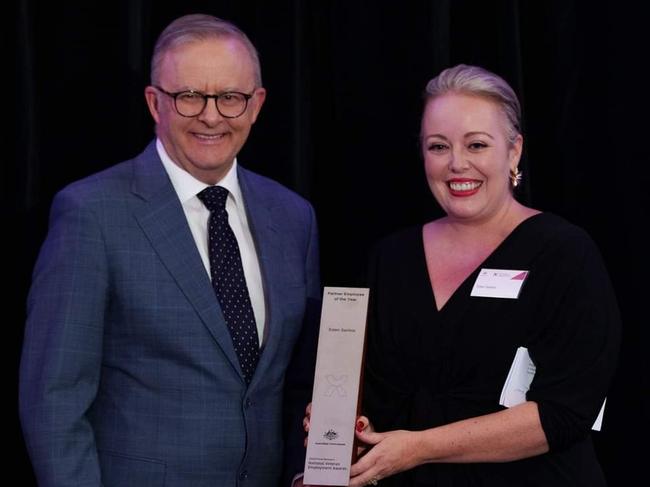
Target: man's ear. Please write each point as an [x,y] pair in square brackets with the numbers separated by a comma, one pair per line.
[257,101]
[151,96]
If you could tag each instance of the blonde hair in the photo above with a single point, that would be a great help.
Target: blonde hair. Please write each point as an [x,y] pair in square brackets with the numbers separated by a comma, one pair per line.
[474,80]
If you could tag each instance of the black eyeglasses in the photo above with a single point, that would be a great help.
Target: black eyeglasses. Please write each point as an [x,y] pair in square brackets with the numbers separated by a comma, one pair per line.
[191,103]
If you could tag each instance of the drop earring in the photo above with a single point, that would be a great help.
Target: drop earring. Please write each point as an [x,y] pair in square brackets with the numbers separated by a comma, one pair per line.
[515,177]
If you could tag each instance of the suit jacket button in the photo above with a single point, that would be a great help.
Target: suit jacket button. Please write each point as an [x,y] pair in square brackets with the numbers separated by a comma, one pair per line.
[248,403]
[243,475]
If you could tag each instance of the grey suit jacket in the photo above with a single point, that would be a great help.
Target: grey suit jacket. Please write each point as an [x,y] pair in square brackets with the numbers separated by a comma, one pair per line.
[128,374]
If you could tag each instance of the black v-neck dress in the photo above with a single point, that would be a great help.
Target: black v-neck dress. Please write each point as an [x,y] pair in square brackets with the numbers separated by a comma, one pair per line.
[426,368]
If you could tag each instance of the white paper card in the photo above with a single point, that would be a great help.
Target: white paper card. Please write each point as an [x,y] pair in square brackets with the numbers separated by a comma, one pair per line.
[518,382]
[519,378]
[336,386]
[599,420]
[499,283]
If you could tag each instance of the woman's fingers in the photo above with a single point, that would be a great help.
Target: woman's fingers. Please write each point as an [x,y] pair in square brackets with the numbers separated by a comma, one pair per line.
[306,420]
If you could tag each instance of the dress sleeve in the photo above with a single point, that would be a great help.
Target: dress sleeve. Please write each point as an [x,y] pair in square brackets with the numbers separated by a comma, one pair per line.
[575,340]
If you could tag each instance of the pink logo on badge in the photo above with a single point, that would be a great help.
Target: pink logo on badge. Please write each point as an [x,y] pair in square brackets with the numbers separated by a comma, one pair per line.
[519,277]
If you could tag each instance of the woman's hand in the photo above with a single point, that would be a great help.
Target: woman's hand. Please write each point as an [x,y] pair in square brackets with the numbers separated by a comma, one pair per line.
[306,421]
[390,453]
[363,424]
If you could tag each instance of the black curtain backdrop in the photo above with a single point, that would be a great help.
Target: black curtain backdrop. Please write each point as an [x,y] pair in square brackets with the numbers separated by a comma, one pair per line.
[340,126]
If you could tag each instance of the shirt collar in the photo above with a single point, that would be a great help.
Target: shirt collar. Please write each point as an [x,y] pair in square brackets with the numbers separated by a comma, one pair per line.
[187,186]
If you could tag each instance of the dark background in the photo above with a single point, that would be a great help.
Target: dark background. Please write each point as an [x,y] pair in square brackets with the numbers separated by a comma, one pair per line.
[340,126]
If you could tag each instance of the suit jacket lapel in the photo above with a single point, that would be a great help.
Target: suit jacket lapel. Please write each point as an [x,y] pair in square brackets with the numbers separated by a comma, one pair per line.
[268,241]
[161,217]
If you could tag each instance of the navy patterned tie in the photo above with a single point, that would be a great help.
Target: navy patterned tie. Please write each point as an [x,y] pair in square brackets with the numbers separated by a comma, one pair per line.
[229,282]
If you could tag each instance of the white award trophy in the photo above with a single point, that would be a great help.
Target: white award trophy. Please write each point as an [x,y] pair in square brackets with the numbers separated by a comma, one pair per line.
[337,383]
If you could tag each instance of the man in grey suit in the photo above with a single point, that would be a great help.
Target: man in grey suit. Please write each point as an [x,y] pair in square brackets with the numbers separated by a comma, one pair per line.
[130,375]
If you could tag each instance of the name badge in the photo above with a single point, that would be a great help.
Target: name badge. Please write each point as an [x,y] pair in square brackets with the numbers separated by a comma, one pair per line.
[499,283]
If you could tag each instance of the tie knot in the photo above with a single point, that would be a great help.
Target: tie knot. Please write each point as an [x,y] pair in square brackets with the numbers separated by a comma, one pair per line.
[214,198]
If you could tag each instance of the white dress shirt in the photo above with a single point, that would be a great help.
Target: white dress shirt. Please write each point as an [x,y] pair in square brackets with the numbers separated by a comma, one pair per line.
[187,187]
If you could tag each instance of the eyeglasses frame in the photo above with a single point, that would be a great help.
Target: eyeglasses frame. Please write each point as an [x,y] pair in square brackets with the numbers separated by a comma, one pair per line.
[175,95]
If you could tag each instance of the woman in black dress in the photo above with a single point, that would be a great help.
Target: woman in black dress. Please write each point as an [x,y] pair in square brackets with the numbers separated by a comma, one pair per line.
[454,300]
